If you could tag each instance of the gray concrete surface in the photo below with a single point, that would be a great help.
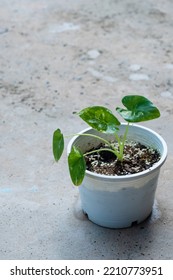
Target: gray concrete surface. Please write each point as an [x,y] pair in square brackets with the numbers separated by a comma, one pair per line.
[56,58]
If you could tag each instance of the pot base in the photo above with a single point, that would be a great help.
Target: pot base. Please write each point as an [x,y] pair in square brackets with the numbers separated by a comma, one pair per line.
[116,224]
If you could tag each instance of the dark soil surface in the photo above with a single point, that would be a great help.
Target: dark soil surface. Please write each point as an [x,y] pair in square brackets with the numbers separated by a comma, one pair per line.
[137,158]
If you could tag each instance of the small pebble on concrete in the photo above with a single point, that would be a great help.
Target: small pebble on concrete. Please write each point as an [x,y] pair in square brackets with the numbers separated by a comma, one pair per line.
[138,77]
[135,67]
[93,54]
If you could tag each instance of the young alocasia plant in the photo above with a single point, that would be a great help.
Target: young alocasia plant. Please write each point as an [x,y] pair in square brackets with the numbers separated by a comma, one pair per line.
[137,109]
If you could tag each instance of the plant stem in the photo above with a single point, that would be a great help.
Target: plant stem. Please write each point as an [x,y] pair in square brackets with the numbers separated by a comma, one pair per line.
[122,143]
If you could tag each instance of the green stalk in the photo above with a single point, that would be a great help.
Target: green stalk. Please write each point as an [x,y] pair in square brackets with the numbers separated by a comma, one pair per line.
[122,143]
[112,148]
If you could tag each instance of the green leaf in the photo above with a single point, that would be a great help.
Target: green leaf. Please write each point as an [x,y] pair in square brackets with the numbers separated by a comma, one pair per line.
[139,109]
[77,166]
[100,118]
[58,144]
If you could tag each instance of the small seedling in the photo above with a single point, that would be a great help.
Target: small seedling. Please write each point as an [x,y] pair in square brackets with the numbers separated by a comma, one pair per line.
[137,109]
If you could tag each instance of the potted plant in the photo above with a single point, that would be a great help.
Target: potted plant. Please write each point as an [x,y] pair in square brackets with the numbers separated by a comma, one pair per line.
[115,164]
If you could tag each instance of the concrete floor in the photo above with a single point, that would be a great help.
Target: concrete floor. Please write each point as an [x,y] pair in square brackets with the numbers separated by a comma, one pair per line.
[56,58]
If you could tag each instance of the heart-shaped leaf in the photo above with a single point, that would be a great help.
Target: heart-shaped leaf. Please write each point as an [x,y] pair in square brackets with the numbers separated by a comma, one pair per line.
[58,144]
[139,109]
[100,118]
[77,166]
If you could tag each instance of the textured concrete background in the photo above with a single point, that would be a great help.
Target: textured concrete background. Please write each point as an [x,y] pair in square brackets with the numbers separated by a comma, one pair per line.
[56,58]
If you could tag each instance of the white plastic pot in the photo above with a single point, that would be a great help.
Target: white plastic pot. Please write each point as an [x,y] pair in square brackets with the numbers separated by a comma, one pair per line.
[120,201]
